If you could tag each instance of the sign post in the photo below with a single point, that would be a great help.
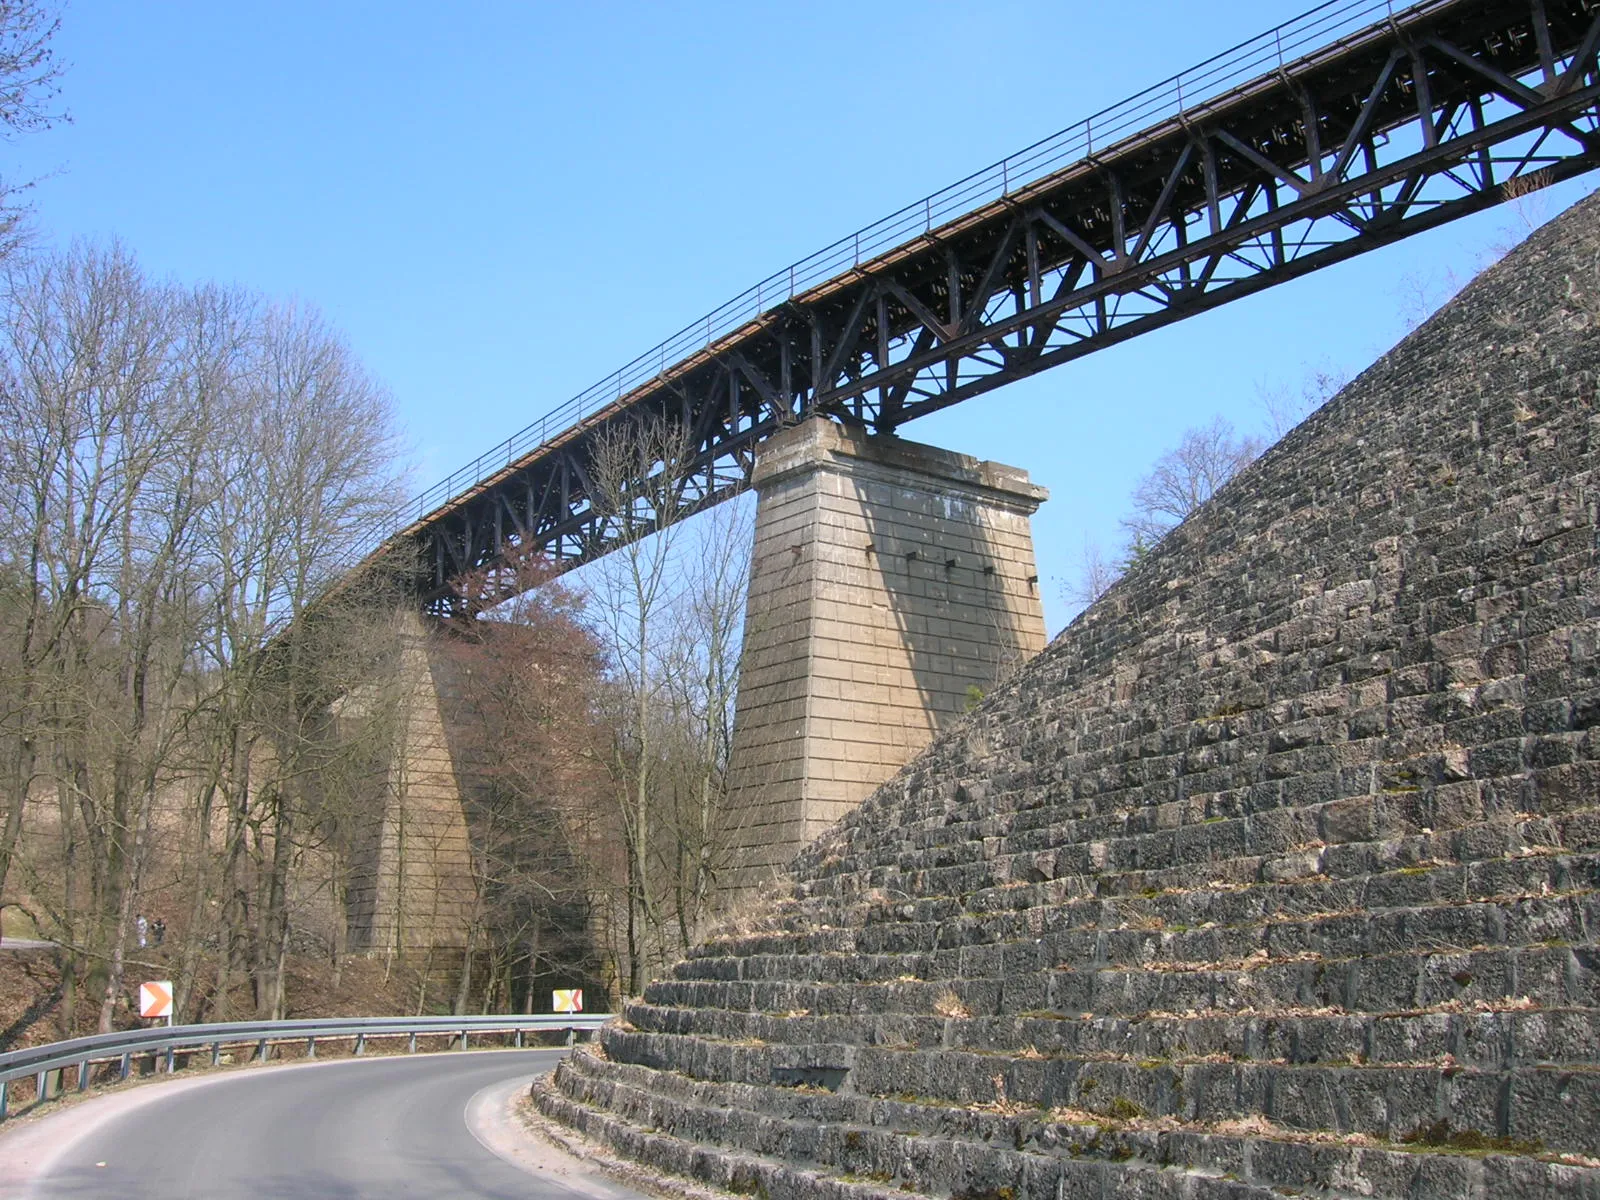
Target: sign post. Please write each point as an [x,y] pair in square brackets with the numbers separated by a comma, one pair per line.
[155,1000]
[566,1000]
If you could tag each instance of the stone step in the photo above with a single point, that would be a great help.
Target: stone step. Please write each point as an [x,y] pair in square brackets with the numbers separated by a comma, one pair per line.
[891,922]
[1553,976]
[1551,1104]
[733,1172]
[1165,930]
[981,1149]
[1031,1177]
[1290,862]
[1361,793]
[1241,850]
[1337,808]
[1489,1039]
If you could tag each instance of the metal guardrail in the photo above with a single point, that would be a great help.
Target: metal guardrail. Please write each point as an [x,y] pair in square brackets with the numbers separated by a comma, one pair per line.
[1323,25]
[165,1044]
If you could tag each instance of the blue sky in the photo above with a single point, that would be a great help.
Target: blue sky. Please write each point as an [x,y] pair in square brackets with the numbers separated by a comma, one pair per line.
[500,203]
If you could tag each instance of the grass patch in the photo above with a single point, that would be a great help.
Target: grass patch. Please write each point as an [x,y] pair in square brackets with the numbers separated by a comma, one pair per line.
[1439,1136]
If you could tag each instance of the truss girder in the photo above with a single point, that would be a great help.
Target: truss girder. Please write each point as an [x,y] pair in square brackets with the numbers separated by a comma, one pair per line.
[1445,109]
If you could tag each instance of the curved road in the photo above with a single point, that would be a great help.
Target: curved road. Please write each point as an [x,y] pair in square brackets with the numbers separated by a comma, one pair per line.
[391,1128]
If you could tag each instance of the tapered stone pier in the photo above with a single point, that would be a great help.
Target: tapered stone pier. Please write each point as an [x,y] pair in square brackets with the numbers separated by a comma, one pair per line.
[892,585]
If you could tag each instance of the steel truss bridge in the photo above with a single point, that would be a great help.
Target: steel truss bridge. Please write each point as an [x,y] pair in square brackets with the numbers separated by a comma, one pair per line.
[1352,126]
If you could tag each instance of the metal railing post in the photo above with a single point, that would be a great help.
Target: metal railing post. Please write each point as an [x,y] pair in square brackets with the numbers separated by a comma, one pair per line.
[412,1048]
[361,1044]
[83,1075]
[311,1047]
[126,1066]
[261,1050]
[216,1053]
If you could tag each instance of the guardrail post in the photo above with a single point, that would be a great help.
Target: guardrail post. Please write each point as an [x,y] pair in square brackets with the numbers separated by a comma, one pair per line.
[41,1086]
[311,1047]
[572,1036]
[519,1039]
[216,1053]
[361,1044]
[463,1039]
[172,1060]
[5,1087]
[412,1047]
[83,1075]
[261,1050]
[126,1065]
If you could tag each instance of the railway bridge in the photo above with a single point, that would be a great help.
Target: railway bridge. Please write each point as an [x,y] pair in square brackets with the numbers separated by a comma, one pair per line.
[890,577]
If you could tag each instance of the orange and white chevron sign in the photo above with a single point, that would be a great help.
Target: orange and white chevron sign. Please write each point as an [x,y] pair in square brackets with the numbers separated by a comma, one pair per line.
[566,1000]
[155,998]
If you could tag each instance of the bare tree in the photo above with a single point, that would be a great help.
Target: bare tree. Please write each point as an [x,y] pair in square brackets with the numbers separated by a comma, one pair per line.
[702,673]
[30,76]
[184,472]
[668,606]
[106,500]
[1184,478]
[317,431]
[638,473]
[525,681]
[1094,577]
[1285,406]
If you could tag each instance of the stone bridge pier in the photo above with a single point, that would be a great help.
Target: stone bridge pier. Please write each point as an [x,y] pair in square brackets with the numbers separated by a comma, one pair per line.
[892,585]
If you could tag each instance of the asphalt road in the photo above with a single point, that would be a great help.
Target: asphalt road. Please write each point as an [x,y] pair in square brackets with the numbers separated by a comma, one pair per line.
[386,1128]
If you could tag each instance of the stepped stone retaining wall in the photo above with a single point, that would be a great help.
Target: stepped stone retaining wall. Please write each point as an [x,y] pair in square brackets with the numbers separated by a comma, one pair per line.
[1277,874]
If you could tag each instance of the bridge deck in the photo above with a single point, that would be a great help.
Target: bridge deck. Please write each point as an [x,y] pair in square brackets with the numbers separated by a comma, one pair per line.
[1346,129]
